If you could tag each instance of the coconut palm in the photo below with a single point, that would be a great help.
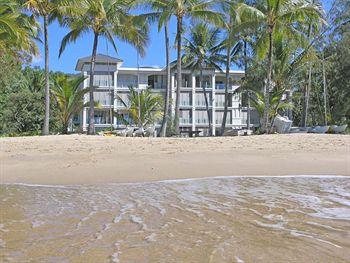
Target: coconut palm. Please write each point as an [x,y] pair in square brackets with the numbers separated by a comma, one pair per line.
[162,16]
[108,19]
[280,19]
[239,17]
[69,97]
[17,30]
[182,9]
[49,10]
[143,107]
[202,50]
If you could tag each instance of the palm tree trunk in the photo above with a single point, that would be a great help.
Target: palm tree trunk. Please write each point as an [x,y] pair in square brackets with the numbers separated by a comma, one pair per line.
[91,130]
[245,77]
[324,91]
[168,82]
[307,89]
[227,83]
[306,97]
[46,128]
[205,99]
[267,87]
[178,76]
[65,128]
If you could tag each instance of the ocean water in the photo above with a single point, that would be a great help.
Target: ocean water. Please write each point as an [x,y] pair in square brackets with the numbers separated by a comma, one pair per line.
[224,219]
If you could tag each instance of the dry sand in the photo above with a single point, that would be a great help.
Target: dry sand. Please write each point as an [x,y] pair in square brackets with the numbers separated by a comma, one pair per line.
[80,159]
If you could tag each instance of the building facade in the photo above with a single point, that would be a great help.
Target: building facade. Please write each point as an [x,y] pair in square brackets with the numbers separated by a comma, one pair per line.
[113,80]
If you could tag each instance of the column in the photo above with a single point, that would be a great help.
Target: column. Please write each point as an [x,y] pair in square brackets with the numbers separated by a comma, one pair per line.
[173,95]
[193,102]
[213,103]
[115,100]
[84,120]
[85,109]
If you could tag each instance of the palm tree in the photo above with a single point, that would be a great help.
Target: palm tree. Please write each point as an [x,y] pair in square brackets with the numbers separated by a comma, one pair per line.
[105,18]
[49,10]
[275,101]
[143,107]
[17,30]
[280,19]
[69,97]
[163,17]
[201,50]
[238,18]
[182,9]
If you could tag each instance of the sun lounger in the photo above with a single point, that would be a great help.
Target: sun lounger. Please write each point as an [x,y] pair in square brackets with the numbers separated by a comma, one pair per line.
[129,131]
[149,132]
[139,132]
[121,133]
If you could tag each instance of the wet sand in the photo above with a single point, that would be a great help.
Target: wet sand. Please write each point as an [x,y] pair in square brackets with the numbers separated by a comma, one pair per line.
[80,159]
[233,219]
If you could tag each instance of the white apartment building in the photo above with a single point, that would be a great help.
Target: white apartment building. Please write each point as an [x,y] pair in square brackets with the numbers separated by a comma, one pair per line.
[113,79]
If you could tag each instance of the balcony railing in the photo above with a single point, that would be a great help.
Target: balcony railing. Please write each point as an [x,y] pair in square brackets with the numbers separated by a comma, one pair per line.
[103,98]
[102,81]
[185,103]
[202,121]
[185,120]
[202,103]
[126,85]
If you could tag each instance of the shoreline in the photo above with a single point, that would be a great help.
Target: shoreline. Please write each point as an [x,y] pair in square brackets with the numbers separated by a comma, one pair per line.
[169,181]
[90,160]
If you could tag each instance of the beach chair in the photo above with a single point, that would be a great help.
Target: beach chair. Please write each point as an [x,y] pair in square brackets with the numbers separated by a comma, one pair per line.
[121,133]
[149,132]
[129,132]
[139,132]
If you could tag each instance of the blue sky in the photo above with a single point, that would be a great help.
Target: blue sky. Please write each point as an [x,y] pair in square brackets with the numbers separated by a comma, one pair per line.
[155,52]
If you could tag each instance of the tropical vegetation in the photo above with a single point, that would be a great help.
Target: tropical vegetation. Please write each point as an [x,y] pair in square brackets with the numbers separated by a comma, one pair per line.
[69,97]
[295,54]
[144,108]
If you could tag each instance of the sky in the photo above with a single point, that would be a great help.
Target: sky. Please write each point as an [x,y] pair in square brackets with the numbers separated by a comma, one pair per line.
[155,51]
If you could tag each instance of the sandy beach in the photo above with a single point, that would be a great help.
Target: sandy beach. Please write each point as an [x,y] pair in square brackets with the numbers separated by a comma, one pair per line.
[66,207]
[80,159]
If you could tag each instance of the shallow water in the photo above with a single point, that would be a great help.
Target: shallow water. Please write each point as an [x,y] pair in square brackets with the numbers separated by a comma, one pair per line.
[233,219]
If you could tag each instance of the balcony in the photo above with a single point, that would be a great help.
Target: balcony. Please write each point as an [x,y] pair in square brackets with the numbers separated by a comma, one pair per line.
[102,81]
[185,121]
[201,104]
[185,103]
[103,98]
[220,87]
[126,85]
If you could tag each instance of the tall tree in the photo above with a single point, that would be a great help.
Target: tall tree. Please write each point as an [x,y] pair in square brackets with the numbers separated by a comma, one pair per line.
[238,17]
[109,19]
[202,51]
[182,9]
[162,15]
[17,30]
[280,19]
[48,10]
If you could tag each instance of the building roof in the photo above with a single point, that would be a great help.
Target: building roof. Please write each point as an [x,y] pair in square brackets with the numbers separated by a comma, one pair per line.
[100,58]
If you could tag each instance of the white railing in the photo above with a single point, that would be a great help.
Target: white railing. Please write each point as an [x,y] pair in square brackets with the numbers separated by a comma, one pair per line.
[185,103]
[102,81]
[103,98]
[185,121]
